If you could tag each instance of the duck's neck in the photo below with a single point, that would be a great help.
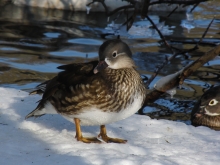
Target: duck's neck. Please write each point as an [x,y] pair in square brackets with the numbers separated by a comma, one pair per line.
[123,79]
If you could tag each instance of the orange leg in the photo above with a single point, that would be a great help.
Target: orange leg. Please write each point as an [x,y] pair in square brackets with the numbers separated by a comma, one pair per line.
[79,136]
[103,135]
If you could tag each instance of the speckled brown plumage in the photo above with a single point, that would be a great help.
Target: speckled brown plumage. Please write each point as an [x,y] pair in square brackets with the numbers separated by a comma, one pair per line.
[205,120]
[95,93]
[105,90]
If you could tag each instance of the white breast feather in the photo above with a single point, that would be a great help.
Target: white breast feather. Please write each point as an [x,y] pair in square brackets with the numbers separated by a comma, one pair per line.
[94,116]
[48,109]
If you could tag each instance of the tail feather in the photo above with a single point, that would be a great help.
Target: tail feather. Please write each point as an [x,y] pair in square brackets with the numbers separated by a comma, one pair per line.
[38,91]
[42,109]
[35,113]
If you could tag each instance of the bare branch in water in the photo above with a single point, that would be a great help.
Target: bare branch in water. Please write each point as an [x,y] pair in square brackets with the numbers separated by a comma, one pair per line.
[179,77]
[172,49]
[205,32]
[186,72]
[160,34]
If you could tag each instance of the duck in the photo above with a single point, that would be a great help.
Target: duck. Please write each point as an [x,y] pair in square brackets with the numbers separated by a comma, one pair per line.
[95,93]
[206,111]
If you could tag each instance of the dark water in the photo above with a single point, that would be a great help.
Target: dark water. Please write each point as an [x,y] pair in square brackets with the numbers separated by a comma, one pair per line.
[33,42]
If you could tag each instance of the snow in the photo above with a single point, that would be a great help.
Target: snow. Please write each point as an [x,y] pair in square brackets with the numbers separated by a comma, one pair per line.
[50,139]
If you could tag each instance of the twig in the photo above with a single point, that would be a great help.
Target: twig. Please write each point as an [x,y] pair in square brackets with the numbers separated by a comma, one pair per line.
[194,7]
[160,34]
[172,11]
[205,32]
[194,42]
[166,59]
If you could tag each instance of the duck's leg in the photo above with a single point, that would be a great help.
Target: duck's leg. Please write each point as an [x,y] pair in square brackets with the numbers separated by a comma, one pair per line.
[103,135]
[79,136]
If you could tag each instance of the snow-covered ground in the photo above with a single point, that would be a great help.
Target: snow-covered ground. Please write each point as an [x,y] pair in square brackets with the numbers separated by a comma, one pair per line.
[50,139]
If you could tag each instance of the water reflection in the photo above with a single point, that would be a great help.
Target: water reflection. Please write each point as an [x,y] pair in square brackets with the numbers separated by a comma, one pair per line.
[33,42]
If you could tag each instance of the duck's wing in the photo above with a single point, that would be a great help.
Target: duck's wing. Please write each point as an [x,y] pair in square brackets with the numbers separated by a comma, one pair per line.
[71,75]
[76,71]
[58,88]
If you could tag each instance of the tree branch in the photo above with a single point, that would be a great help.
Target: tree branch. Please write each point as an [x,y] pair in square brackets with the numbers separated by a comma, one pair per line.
[181,75]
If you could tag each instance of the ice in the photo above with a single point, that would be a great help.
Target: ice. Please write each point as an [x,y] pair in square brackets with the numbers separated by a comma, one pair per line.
[88,9]
[189,16]
[172,92]
[188,25]
[189,22]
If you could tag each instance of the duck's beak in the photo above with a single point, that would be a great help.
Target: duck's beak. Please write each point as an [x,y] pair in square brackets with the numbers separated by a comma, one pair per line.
[201,112]
[101,66]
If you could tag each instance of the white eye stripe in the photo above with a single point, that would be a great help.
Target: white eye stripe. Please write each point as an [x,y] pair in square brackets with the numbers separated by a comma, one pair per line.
[213,102]
[117,54]
[121,53]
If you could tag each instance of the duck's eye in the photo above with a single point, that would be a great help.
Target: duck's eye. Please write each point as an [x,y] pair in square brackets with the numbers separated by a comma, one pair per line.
[114,54]
[213,102]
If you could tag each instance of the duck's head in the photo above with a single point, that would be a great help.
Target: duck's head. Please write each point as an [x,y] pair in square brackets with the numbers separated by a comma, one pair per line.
[114,54]
[207,110]
[210,103]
